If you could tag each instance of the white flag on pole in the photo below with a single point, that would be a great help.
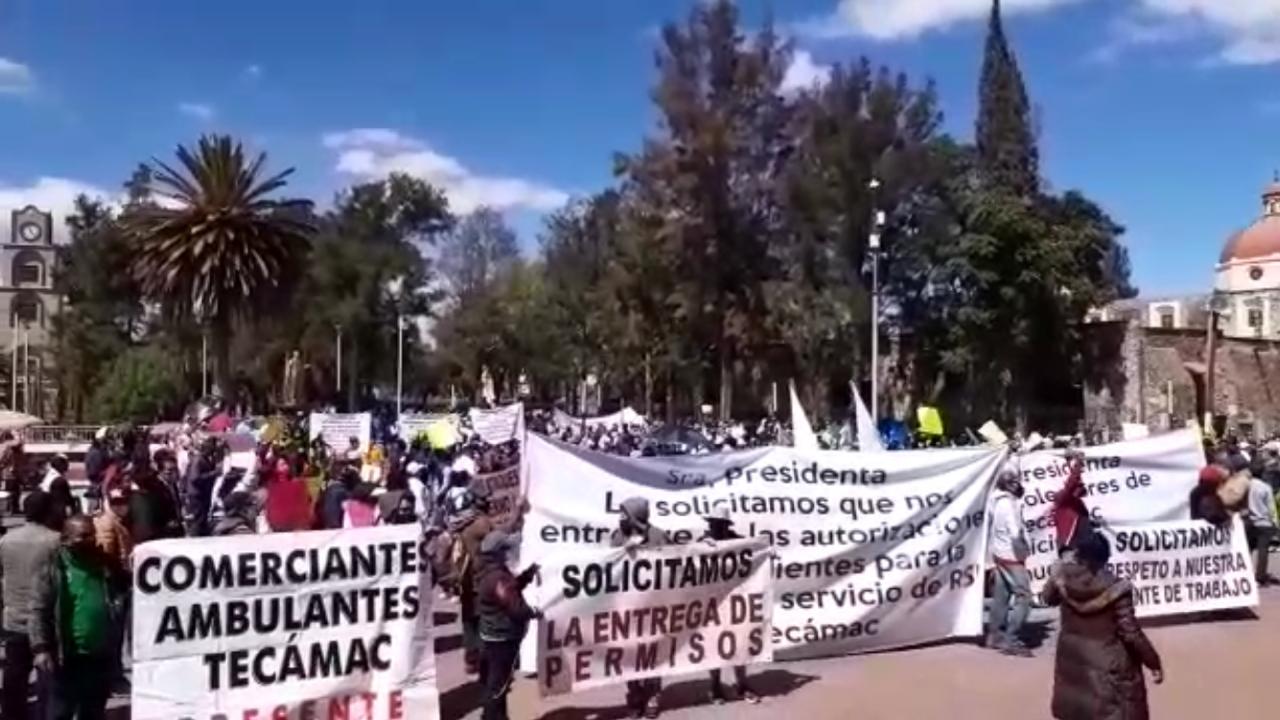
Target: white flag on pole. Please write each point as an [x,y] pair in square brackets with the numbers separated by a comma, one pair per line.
[868,436]
[802,436]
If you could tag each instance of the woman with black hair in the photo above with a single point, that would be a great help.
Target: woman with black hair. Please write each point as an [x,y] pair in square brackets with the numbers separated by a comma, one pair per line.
[1101,648]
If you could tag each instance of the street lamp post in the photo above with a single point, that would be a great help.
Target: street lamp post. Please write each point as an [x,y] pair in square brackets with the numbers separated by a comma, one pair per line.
[337,373]
[399,364]
[204,364]
[873,243]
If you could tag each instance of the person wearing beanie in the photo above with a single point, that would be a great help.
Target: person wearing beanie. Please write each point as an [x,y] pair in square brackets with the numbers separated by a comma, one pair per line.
[720,528]
[472,528]
[1204,501]
[503,619]
[635,531]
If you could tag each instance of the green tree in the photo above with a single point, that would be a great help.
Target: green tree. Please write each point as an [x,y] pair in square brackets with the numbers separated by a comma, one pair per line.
[370,243]
[863,125]
[103,312]
[141,385]
[1007,152]
[722,139]
[219,248]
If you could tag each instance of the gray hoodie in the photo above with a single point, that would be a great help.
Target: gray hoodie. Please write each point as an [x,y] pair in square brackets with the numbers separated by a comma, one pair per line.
[636,510]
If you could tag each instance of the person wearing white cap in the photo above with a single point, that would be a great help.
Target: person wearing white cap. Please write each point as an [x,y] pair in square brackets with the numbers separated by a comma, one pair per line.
[720,528]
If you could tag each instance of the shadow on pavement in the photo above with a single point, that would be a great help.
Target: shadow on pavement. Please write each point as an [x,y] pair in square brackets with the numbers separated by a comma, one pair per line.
[457,701]
[688,694]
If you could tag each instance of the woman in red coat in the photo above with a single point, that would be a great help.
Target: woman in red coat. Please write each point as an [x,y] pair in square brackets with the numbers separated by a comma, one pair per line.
[288,505]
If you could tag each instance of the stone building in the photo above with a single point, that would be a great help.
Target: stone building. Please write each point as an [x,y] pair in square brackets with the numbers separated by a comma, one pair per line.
[1147,360]
[28,258]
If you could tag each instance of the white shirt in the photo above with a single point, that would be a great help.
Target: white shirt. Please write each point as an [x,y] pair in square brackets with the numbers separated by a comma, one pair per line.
[1008,539]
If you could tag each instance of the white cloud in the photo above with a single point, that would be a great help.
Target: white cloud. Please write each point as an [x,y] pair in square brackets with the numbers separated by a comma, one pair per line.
[804,74]
[374,153]
[15,78]
[253,72]
[1248,31]
[905,19]
[51,194]
[203,112]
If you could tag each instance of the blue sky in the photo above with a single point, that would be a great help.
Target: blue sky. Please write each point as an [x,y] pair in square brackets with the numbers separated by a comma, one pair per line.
[1165,111]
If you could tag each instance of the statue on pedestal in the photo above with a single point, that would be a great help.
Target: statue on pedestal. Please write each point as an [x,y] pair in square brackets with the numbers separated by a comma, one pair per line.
[289,391]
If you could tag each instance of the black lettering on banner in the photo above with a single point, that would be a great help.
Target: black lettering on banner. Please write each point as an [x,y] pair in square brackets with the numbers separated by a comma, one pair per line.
[613,661]
[696,651]
[144,582]
[272,665]
[727,645]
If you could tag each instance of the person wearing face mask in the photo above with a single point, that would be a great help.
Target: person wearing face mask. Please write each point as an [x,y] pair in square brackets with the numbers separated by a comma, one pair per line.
[72,626]
[634,531]
[1009,548]
[720,528]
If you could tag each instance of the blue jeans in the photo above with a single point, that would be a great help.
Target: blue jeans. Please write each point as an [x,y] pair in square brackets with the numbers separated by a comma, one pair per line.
[1010,603]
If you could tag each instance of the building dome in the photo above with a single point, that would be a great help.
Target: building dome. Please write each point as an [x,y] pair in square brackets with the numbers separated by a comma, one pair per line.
[1261,239]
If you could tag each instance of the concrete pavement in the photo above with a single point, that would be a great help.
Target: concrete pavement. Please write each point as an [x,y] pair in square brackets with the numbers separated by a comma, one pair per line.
[1214,670]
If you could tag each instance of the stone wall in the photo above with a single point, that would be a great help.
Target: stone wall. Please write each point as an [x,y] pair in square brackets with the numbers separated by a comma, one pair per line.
[1154,376]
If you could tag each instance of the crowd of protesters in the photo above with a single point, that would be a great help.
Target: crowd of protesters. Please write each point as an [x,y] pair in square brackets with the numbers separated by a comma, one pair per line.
[67,568]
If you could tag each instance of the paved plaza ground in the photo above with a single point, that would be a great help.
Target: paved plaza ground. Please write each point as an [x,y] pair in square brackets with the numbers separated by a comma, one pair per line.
[1216,670]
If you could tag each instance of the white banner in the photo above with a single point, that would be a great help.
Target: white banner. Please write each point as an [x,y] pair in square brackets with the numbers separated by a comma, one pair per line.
[499,425]
[875,550]
[337,429]
[1184,566]
[626,416]
[624,614]
[1136,481]
[292,625]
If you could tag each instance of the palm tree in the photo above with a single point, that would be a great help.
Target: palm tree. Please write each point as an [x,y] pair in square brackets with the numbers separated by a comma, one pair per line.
[214,247]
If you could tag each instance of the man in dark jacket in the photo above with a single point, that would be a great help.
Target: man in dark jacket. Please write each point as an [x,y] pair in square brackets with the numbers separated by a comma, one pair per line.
[25,554]
[720,528]
[504,618]
[72,626]
[202,475]
[342,481]
[153,509]
[635,531]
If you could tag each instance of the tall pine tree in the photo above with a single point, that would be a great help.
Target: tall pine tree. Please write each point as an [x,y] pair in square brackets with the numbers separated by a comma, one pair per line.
[1007,154]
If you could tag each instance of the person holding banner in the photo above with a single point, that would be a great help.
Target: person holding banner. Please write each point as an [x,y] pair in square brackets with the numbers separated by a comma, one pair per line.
[504,618]
[634,530]
[720,528]
[1009,548]
[1101,647]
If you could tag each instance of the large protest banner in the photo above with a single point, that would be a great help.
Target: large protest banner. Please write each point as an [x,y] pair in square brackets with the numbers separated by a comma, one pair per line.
[1184,566]
[322,625]
[625,614]
[1135,481]
[875,550]
[337,429]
